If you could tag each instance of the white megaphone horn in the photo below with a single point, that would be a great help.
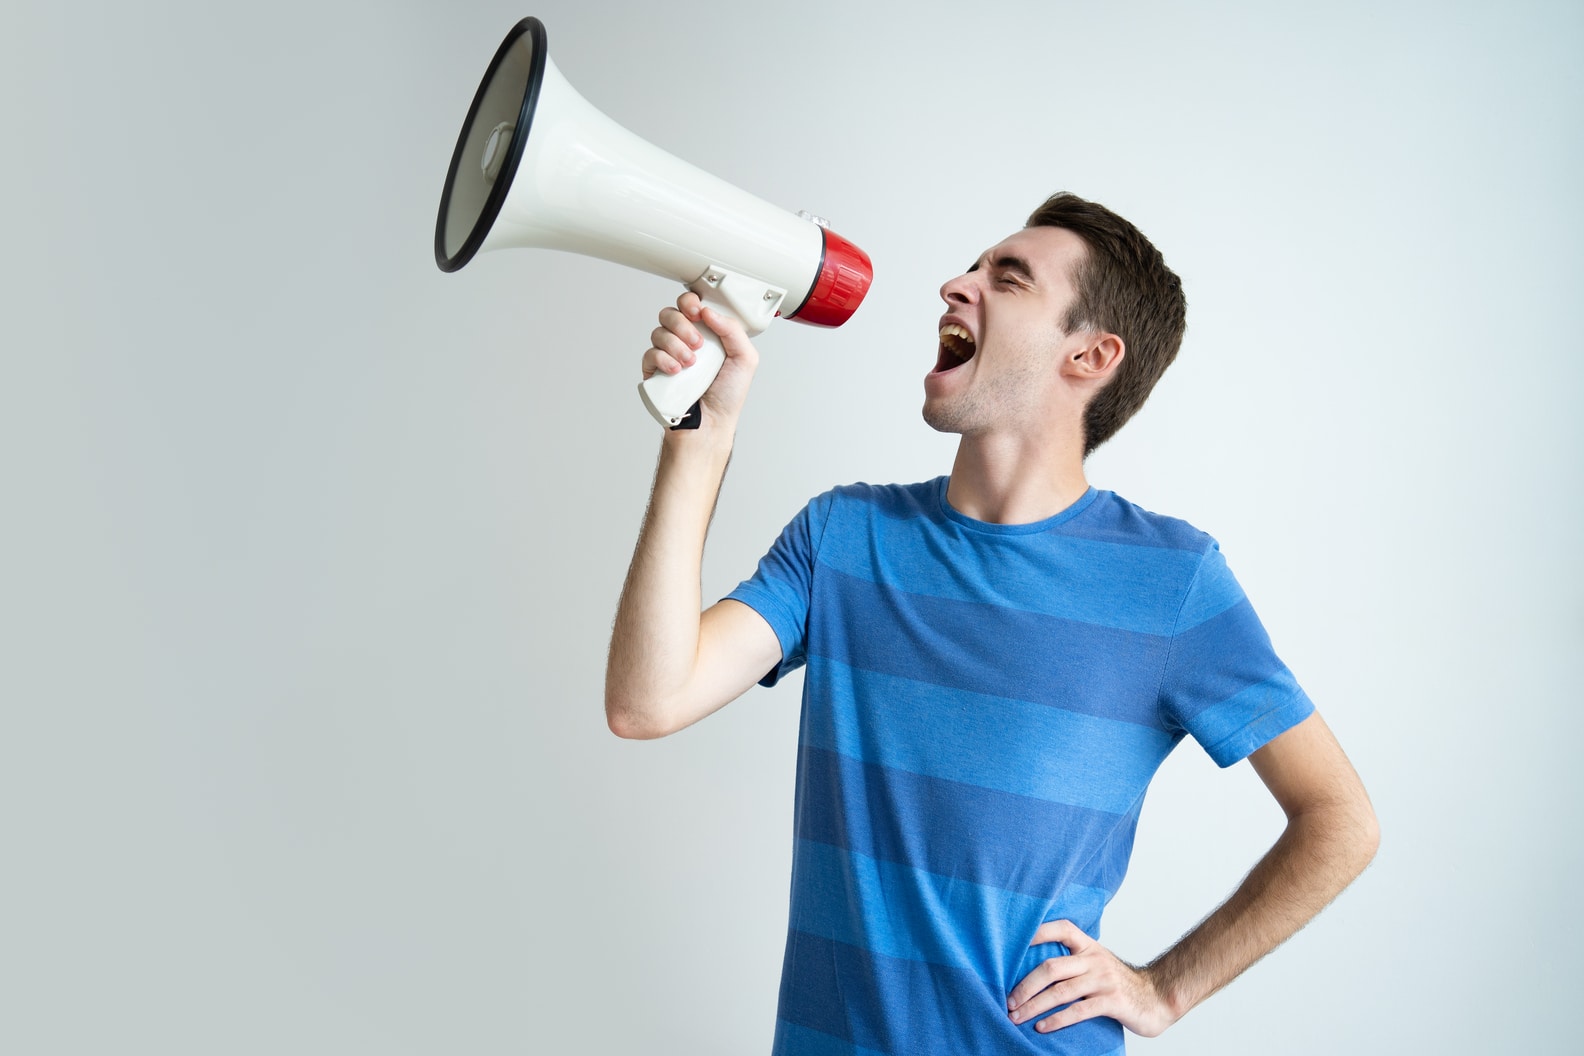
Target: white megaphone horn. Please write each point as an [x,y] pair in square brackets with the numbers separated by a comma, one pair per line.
[536,165]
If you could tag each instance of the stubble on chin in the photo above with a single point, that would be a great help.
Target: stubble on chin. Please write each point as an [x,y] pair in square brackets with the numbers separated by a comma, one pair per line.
[942,419]
[983,406]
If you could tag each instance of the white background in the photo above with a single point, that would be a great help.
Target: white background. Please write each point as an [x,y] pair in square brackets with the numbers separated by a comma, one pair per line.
[310,551]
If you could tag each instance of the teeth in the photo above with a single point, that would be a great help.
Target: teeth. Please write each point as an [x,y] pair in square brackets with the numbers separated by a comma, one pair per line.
[957,340]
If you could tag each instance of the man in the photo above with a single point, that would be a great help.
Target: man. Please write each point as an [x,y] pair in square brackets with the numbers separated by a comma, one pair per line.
[997,663]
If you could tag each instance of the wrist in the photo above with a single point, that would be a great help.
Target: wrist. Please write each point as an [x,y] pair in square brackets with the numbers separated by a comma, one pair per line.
[715,435]
[1170,999]
[705,450]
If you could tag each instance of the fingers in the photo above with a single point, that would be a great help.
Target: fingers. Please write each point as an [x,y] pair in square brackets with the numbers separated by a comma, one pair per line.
[1045,974]
[1076,1012]
[673,343]
[1065,932]
[1089,981]
[1075,980]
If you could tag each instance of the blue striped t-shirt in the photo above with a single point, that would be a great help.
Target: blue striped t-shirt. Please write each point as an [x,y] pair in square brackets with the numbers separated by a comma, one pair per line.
[983,708]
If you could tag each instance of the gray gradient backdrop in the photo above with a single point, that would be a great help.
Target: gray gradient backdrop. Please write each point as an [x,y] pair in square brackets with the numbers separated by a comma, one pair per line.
[311,551]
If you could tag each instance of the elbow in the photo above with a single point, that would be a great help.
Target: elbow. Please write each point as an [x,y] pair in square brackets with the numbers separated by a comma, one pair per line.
[1356,836]
[632,721]
[1345,833]
[1368,835]
[1363,827]
[629,728]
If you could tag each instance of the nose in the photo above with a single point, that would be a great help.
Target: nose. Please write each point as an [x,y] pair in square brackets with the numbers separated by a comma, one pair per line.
[961,290]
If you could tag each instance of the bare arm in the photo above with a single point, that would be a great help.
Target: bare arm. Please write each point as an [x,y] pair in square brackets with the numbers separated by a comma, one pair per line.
[669,665]
[1331,836]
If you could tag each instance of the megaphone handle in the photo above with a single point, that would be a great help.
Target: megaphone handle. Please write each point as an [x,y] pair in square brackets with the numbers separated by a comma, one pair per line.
[672,397]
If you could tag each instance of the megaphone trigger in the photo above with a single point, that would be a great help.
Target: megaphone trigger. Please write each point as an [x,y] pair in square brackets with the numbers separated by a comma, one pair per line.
[692,419]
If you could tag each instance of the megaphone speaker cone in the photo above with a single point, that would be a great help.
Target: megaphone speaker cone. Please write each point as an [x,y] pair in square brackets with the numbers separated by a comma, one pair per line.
[490,147]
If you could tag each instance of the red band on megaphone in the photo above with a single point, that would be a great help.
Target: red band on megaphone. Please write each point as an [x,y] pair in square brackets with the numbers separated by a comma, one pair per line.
[844,278]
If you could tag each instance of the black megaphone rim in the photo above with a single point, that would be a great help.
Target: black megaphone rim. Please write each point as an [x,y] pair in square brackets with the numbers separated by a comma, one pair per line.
[508,172]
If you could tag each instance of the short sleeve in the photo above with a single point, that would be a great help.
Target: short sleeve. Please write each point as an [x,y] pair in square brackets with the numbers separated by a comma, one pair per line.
[1223,682]
[780,588]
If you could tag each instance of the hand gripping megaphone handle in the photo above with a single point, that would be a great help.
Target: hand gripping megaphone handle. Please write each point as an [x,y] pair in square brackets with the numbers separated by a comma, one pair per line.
[671,398]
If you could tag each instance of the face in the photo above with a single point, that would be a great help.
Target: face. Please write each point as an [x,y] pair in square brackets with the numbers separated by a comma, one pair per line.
[1001,337]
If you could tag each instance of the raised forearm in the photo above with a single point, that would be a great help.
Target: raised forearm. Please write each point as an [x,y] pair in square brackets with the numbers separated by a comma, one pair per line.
[652,674]
[654,642]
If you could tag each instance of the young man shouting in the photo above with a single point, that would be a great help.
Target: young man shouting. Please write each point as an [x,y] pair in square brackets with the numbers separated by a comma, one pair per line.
[998,661]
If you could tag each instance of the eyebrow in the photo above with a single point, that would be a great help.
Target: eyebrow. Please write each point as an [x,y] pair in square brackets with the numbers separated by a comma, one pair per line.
[1008,262]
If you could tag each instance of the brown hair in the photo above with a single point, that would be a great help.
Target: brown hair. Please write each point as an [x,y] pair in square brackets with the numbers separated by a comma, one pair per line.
[1125,288]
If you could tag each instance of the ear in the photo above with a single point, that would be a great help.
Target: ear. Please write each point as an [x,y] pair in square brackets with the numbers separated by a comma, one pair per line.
[1096,359]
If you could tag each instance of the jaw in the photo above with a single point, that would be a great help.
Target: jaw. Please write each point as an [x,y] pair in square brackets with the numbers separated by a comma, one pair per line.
[948,396]
[1014,400]
[950,400]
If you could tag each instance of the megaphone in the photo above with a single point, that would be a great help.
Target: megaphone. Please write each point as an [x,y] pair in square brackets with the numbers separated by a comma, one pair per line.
[537,165]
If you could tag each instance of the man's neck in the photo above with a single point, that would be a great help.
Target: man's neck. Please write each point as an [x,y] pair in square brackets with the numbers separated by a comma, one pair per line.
[1013,480]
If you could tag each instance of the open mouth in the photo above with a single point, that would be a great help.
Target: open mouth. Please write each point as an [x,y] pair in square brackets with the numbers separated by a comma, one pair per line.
[956,347]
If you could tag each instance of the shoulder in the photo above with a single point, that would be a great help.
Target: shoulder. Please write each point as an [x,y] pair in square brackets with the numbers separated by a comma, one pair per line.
[892,500]
[1113,519]
[1203,583]
[864,511]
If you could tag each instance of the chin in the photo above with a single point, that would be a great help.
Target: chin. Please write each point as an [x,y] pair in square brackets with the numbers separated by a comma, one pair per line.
[941,419]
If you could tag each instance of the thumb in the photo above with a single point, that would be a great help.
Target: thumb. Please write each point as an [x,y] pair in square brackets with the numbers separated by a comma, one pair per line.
[733,337]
